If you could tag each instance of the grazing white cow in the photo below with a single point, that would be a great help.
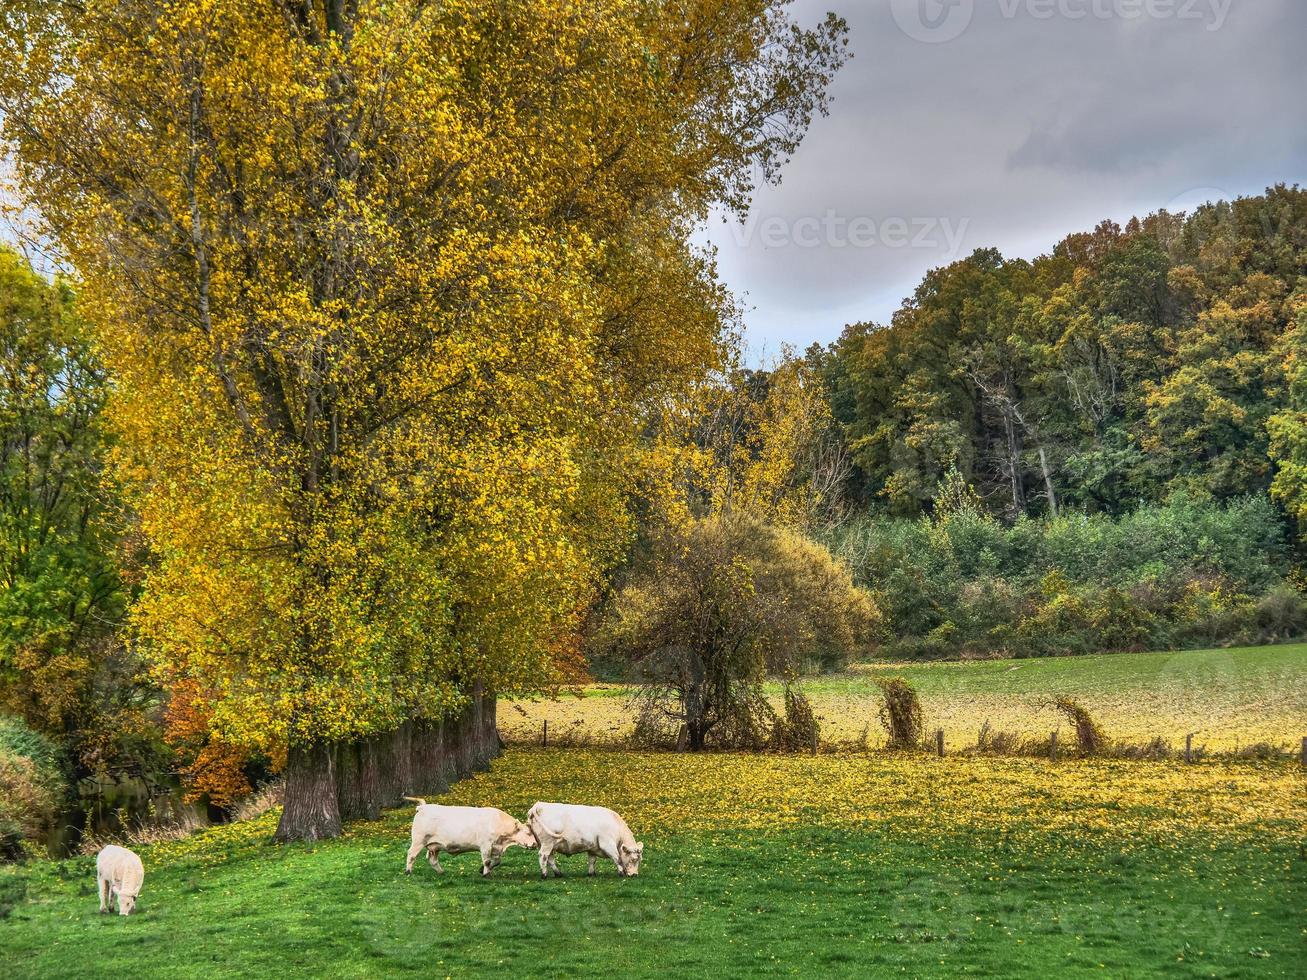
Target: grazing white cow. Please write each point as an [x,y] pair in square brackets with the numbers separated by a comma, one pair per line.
[456,829]
[119,875]
[566,828]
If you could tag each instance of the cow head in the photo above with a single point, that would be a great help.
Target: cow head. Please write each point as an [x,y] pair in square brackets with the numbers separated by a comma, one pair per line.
[523,836]
[631,855]
[126,904]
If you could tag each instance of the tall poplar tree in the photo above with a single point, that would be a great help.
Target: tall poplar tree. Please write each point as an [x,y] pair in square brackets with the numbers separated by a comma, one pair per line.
[384,286]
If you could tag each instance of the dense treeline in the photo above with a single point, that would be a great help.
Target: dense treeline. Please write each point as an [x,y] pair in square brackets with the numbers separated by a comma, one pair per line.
[1078,452]
[1126,364]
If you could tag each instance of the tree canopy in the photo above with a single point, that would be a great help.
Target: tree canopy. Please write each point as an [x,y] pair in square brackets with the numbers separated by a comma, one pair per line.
[387,290]
[1125,364]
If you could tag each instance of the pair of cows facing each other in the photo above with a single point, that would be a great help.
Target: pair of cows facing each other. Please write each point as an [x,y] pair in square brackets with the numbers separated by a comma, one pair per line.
[554,828]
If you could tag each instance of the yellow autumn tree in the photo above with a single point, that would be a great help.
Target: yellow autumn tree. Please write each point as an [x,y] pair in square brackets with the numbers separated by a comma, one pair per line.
[763,442]
[389,291]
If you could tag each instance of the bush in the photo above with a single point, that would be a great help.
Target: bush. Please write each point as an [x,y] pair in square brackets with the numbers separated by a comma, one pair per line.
[1184,573]
[17,739]
[1281,614]
[901,713]
[799,730]
[1089,737]
[30,787]
[990,741]
[724,604]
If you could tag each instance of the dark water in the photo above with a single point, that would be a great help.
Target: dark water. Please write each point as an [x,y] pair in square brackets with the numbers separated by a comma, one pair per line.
[110,807]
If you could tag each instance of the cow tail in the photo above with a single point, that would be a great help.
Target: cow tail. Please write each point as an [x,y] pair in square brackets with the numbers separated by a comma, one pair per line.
[415,799]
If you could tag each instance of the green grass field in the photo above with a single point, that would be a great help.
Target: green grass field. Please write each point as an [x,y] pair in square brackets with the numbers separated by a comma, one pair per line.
[1227,698]
[852,865]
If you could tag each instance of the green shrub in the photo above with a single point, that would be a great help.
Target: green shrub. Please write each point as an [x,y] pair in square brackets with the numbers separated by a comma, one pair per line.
[17,739]
[30,787]
[1184,573]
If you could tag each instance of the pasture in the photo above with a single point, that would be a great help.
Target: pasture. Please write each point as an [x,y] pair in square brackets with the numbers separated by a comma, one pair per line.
[1228,698]
[852,864]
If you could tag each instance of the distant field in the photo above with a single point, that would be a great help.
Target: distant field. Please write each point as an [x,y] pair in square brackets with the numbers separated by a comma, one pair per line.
[851,865]
[1227,698]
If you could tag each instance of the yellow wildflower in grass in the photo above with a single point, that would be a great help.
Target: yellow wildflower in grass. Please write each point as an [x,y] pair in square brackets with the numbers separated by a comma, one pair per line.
[913,792]
[1158,805]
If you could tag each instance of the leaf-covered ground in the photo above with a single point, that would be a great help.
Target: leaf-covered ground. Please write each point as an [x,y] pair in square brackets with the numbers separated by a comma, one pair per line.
[1227,698]
[855,865]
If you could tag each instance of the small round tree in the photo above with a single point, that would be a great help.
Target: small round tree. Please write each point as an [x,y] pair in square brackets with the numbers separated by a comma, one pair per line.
[725,603]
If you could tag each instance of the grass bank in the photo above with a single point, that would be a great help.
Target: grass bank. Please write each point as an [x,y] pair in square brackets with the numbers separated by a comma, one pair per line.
[848,864]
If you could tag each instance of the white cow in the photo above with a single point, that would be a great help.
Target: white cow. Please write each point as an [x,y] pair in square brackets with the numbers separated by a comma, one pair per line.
[566,828]
[456,829]
[119,875]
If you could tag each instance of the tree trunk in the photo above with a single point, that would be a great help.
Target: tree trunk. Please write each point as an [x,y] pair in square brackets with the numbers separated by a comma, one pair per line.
[432,768]
[326,785]
[698,736]
[1014,463]
[1048,481]
[310,810]
[360,781]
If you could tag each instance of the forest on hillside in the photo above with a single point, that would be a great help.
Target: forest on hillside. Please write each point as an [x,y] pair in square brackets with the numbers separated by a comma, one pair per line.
[1100,449]
[1126,365]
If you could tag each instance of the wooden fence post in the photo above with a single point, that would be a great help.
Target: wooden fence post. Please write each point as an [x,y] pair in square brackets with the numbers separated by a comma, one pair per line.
[1303,757]
[1189,748]
[544,739]
[1052,747]
[939,742]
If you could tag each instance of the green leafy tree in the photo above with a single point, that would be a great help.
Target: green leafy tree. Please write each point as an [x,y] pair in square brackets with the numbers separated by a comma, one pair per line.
[1288,428]
[1127,363]
[62,666]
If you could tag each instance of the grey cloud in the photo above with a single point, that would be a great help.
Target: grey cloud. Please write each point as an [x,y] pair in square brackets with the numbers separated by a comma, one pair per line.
[1025,128]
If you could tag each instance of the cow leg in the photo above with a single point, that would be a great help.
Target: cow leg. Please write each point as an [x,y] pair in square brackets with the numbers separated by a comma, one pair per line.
[553,866]
[590,865]
[546,856]
[433,858]
[613,853]
[102,886]
[488,860]
[413,852]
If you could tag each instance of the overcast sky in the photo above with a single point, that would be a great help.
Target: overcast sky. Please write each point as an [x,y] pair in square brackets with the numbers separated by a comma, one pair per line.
[961,124]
